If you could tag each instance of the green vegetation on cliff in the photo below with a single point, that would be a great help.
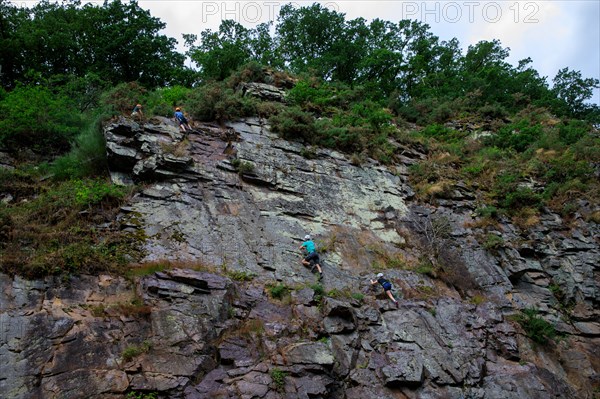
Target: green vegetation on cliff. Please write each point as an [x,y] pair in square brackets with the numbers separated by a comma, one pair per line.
[369,89]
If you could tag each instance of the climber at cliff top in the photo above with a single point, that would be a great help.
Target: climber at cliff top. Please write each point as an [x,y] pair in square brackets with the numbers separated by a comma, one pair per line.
[183,122]
[137,112]
[312,255]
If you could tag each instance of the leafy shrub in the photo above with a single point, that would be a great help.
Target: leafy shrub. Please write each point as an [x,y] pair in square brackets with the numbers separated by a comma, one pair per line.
[278,377]
[349,139]
[568,209]
[442,113]
[174,95]
[418,111]
[477,299]
[567,167]
[369,113]
[505,182]
[216,101]
[496,111]
[266,109]
[587,148]
[358,296]
[493,241]
[240,275]
[424,171]
[310,95]
[493,153]
[294,124]
[85,91]
[278,291]
[242,167]
[93,192]
[121,99]
[572,131]
[521,197]
[536,328]
[142,395]
[34,117]
[135,350]
[487,212]
[318,289]
[245,167]
[309,152]
[512,196]
[49,233]
[473,170]
[98,310]
[518,136]
[442,133]
[87,157]
[76,256]
[255,72]
[163,101]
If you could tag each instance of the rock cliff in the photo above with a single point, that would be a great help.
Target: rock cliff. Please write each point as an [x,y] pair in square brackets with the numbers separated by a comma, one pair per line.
[239,317]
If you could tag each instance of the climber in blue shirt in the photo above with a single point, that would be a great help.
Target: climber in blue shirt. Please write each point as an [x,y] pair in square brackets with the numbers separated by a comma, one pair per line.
[183,122]
[387,287]
[311,254]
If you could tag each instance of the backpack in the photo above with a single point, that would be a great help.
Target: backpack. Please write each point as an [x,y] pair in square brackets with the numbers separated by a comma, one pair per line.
[180,117]
[385,284]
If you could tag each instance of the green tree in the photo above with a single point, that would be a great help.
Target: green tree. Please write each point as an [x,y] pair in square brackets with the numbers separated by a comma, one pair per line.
[308,38]
[485,71]
[220,53]
[348,51]
[570,87]
[264,48]
[123,44]
[420,50]
[118,41]
[11,56]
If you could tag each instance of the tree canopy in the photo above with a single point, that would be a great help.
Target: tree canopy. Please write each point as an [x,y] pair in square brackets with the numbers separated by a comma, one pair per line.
[80,49]
[401,62]
[119,41]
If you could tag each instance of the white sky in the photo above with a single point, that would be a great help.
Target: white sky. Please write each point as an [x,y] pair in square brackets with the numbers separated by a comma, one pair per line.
[555,34]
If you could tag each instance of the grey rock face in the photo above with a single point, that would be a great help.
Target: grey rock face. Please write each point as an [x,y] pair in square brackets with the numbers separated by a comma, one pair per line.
[236,201]
[254,221]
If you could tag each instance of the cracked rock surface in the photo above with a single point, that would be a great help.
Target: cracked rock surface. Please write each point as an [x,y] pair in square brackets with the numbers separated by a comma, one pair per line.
[233,202]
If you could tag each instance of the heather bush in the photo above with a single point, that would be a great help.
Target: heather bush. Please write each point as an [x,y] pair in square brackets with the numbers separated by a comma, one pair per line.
[217,102]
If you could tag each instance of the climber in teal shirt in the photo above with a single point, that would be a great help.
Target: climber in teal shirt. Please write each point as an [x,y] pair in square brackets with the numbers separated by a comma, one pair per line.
[311,254]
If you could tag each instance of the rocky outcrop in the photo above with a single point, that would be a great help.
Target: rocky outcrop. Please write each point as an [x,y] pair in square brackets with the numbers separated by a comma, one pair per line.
[229,205]
[192,334]
[262,91]
[6,161]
